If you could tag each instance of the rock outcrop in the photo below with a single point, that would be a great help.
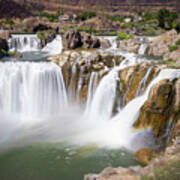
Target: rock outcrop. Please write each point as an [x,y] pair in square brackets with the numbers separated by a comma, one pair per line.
[3,47]
[4,34]
[75,39]
[165,46]
[130,45]
[161,110]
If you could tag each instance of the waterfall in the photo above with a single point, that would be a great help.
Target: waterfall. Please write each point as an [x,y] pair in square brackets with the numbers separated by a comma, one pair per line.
[22,43]
[104,97]
[92,87]
[117,131]
[31,89]
[143,46]
[143,82]
[30,42]
[55,47]
[112,40]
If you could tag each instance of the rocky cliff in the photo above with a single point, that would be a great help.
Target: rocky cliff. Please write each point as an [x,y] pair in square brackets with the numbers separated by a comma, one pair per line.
[23,8]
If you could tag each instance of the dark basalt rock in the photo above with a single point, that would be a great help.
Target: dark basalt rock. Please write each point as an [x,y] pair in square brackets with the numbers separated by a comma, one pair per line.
[3,47]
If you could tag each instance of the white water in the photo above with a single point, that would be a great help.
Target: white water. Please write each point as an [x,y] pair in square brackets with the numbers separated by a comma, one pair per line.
[31,89]
[142,83]
[117,131]
[23,43]
[30,42]
[143,47]
[92,87]
[55,47]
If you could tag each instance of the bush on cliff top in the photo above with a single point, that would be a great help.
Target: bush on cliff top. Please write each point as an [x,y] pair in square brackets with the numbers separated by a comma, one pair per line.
[124,36]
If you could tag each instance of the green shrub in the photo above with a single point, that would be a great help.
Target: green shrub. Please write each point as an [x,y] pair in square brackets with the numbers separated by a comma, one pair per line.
[41,35]
[124,36]
[66,28]
[128,25]
[149,16]
[11,22]
[51,19]
[178,42]
[173,48]
[166,172]
[86,15]
[165,16]
[88,30]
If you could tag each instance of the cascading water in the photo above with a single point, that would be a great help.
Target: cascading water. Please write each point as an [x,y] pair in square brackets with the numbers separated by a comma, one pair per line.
[143,46]
[30,42]
[143,82]
[31,89]
[118,131]
[22,43]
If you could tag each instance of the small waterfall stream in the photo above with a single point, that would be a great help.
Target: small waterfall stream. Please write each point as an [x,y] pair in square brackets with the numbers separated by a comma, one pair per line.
[143,46]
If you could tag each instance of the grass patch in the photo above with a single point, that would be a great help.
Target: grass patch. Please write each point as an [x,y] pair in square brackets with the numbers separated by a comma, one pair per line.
[166,172]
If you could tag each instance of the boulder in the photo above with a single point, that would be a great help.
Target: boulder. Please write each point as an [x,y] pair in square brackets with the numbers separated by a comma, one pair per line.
[75,39]
[72,40]
[130,45]
[105,43]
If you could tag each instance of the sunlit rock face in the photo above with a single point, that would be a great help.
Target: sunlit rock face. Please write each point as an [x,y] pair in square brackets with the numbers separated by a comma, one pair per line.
[161,110]
[160,46]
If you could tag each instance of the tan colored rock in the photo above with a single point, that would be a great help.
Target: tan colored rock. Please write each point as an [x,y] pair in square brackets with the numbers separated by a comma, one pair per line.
[161,109]
[145,155]
[130,45]
[4,34]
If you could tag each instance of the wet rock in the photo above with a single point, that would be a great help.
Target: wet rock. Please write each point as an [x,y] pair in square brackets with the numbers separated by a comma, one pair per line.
[160,111]
[145,155]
